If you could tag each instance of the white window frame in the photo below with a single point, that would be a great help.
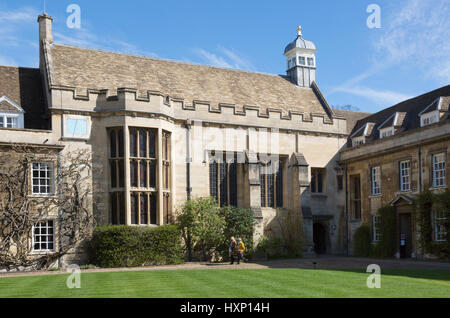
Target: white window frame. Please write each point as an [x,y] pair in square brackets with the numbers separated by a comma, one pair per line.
[18,118]
[49,176]
[438,169]
[358,141]
[301,60]
[66,134]
[310,59]
[46,235]
[376,235]
[375,177]
[386,132]
[405,175]
[429,118]
[440,235]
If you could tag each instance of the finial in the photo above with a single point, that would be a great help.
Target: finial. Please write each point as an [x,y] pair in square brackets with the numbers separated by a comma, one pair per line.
[299,31]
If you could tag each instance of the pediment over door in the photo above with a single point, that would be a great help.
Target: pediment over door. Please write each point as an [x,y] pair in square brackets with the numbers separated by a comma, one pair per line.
[402,199]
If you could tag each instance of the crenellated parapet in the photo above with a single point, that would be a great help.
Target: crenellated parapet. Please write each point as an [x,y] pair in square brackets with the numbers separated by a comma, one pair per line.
[144,103]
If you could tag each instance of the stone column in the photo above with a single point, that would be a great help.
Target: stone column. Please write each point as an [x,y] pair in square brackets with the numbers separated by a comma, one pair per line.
[255,194]
[300,199]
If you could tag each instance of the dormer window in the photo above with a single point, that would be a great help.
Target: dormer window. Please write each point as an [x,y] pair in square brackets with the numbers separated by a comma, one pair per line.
[358,141]
[359,136]
[301,60]
[433,112]
[310,61]
[429,118]
[11,114]
[386,132]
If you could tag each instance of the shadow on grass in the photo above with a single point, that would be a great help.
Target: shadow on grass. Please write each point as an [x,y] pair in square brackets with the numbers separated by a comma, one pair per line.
[392,267]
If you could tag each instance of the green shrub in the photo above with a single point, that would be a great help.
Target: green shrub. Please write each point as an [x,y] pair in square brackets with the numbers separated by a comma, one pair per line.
[122,246]
[362,241]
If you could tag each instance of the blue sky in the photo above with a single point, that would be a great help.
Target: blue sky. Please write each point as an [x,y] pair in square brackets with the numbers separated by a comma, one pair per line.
[367,68]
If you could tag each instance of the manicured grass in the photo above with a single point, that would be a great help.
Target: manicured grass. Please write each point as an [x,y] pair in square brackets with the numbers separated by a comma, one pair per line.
[233,283]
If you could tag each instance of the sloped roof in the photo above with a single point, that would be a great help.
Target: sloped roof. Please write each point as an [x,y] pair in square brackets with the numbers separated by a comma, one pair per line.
[412,107]
[83,69]
[23,86]
[351,116]
[6,106]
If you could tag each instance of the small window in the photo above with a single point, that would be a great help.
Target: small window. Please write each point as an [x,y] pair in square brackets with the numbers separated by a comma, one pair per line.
[358,141]
[376,228]
[301,60]
[386,132]
[429,118]
[438,167]
[376,180]
[43,236]
[310,61]
[9,121]
[440,233]
[405,176]
[76,126]
[318,180]
[42,182]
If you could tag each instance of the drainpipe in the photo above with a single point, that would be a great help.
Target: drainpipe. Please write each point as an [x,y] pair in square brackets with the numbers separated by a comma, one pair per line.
[58,184]
[346,208]
[420,169]
[188,159]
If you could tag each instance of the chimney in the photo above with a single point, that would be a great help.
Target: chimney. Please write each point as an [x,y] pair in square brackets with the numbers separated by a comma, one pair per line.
[45,28]
[45,35]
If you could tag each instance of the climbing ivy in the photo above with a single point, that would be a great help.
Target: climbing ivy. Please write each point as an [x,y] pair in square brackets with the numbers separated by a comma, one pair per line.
[426,203]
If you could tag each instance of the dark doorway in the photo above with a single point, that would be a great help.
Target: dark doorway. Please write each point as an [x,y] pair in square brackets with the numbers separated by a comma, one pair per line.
[320,238]
[405,238]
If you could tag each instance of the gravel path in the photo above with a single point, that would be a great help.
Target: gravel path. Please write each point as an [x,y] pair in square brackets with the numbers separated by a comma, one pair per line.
[323,262]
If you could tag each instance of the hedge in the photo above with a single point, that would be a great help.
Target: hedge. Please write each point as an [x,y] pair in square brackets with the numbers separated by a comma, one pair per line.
[123,246]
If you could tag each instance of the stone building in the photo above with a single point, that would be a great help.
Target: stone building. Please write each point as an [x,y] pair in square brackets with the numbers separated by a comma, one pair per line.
[394,155]
[165,131]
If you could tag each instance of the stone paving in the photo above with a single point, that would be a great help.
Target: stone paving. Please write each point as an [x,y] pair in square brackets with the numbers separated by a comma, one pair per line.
[322,262]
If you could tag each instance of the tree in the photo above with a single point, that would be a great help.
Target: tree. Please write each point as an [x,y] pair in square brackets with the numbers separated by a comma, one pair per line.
[347,107]
[201,223]
[71,205]
[238,223]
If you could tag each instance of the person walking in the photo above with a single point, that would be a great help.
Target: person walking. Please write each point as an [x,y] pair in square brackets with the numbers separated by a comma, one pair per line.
[241,250]
[232,249]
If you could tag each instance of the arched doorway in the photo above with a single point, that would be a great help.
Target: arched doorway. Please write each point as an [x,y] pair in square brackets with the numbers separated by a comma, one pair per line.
[319,238]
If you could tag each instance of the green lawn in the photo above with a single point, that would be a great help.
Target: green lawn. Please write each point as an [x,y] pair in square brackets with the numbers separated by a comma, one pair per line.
[233,283]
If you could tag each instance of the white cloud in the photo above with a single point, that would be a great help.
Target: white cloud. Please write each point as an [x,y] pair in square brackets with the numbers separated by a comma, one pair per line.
[415,34]
[224,58]
[26,14]
[85,38]
[382,97]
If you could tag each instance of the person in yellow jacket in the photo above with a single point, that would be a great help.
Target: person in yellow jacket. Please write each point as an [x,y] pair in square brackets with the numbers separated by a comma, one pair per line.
[241,250]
